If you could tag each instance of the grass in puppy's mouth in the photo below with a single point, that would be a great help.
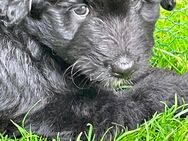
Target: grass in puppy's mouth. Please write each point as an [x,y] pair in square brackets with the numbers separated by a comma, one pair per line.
[123,84]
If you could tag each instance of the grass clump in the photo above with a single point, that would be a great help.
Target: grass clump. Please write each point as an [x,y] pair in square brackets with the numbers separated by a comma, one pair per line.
[167,126]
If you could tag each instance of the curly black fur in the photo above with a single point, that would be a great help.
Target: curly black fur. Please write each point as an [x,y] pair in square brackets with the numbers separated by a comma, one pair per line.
[68,55]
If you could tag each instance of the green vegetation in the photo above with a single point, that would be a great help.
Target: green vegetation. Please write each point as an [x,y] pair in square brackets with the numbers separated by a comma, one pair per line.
[171,39]
[171,52]
[167,126]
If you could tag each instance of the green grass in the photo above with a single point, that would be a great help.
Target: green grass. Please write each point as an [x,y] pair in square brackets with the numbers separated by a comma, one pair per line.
[171,52]
[167,126]
[171,39]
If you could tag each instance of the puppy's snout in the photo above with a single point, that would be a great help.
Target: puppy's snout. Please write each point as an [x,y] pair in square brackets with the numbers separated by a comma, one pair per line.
[122,66]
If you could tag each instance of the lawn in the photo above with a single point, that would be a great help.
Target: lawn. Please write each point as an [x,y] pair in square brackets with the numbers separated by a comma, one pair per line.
[171,39]
[170,52]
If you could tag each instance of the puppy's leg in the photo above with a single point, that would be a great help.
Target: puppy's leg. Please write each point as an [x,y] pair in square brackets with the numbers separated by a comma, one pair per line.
[69,115]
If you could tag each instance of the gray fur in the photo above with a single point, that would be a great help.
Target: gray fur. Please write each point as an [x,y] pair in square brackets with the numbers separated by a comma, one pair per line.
[64,62]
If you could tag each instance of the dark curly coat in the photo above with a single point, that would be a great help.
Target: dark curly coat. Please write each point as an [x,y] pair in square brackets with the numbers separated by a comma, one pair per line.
[66,58]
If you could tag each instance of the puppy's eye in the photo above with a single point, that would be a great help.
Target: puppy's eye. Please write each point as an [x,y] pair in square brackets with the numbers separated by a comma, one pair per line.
[81,10]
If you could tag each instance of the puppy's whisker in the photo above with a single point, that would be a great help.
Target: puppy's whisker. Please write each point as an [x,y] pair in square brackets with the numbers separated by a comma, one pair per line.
[73,66]
[67,71]
[77,73]
[84,81]
[78,87]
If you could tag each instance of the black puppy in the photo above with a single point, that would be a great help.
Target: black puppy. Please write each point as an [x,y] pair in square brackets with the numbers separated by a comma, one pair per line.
[68,56]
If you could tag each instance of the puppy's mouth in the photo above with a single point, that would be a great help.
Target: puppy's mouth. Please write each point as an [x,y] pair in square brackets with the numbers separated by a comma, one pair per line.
[115,82]
[123,81]
[102,77]
[122,84]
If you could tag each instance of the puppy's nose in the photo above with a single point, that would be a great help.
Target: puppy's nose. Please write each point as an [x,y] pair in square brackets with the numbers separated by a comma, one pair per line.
[122,67]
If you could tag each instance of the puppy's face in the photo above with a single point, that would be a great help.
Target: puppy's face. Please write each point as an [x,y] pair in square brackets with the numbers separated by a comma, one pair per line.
[109,41]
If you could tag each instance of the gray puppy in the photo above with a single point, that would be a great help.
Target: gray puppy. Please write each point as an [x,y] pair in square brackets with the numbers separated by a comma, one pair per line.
[68,56]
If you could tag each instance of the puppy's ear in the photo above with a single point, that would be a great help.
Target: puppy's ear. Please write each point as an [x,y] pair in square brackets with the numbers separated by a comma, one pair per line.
[13,11]
[168,4]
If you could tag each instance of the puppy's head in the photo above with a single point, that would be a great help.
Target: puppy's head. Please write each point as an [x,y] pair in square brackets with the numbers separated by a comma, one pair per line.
[108,41]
